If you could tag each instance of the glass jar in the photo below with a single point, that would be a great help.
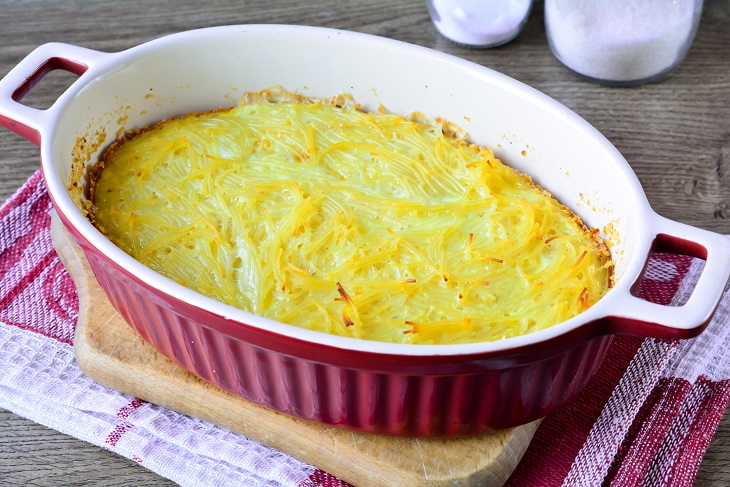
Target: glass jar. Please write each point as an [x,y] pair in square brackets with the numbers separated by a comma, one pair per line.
[621,42]
[479,23]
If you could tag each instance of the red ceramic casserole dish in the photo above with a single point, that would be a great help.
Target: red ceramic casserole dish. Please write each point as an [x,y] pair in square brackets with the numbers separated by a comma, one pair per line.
[412,390]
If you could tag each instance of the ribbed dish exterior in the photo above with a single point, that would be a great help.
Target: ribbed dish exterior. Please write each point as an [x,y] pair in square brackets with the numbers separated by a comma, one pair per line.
[361,399]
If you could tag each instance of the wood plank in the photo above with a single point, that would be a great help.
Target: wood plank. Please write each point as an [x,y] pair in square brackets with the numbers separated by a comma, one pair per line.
[25,448]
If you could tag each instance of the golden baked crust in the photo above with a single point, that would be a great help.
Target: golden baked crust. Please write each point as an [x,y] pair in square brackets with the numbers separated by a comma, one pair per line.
[367,225]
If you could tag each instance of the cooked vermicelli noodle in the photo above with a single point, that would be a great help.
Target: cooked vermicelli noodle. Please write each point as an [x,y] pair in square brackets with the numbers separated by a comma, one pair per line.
[365,225]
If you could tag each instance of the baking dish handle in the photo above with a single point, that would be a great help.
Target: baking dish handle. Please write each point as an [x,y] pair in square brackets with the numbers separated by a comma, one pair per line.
[640,317]
[26,121]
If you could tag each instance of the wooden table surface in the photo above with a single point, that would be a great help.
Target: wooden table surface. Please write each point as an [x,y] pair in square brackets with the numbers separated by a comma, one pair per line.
[675,134]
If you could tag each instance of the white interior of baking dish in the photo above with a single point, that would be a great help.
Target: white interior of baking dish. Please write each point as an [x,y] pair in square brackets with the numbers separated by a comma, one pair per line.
[202,70]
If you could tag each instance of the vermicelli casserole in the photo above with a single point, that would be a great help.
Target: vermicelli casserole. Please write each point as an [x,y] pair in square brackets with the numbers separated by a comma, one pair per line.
[367,225]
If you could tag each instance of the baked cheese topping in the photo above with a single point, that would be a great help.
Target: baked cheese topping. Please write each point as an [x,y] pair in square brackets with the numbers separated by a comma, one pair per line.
[365,225]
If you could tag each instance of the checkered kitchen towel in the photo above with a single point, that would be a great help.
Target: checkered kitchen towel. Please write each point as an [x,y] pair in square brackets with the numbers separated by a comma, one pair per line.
[645,418]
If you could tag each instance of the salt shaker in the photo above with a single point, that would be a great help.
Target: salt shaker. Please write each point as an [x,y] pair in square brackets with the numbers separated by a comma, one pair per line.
[479,23]
[621,42]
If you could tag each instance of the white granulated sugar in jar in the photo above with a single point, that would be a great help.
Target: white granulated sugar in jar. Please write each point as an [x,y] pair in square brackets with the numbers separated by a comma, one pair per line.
[621,40]
[479,23]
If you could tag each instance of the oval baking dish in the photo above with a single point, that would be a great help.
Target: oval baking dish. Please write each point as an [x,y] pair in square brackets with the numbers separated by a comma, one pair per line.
[385,388]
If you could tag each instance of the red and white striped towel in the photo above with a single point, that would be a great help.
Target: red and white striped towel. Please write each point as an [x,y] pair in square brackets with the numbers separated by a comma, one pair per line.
[645,419]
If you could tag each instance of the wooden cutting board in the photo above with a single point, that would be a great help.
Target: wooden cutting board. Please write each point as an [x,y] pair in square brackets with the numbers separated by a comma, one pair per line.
[111,353]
